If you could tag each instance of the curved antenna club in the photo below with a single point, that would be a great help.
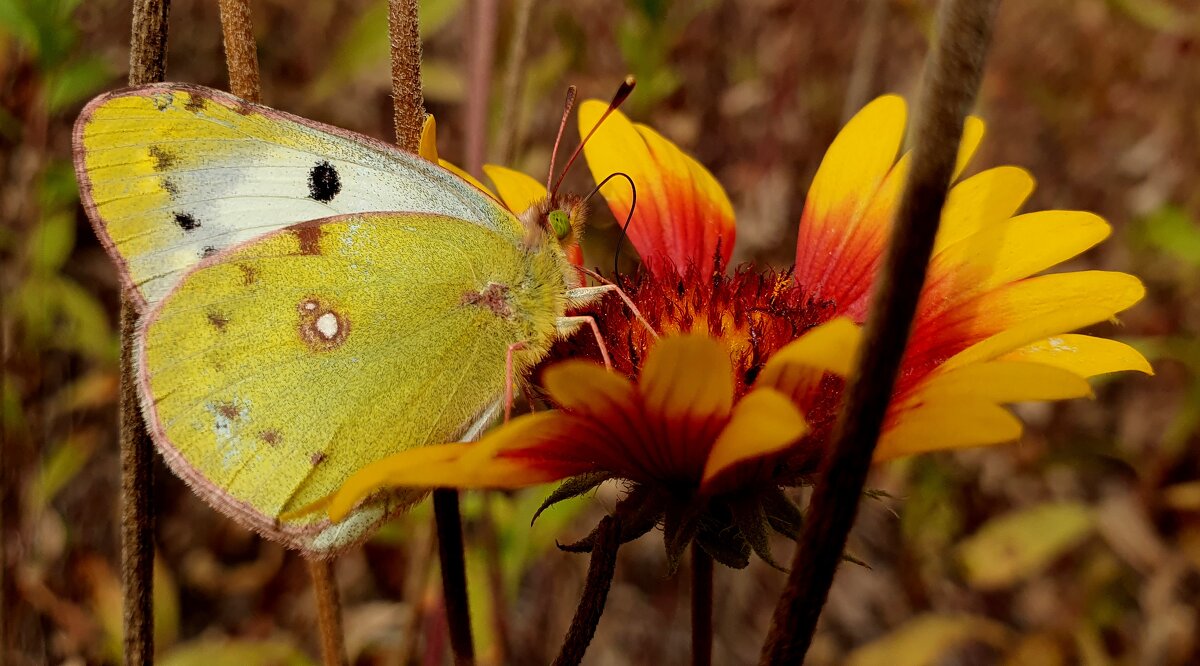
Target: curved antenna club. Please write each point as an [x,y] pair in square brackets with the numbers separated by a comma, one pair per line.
[628,217]
[619,98]
[562,127]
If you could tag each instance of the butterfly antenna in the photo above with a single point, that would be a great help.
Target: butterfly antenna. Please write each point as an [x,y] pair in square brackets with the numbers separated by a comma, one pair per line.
[628,218]
[562,128]
[623,91]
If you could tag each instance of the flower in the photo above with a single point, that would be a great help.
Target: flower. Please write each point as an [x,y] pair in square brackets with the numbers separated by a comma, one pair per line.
[739,397]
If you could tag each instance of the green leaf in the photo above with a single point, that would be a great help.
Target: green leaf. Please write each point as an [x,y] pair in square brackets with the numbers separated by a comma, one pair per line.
[75,82]
[50,242]
[57,313]
[1171,230]
[1017,545]
[56,471]
[365,51]
[925,639]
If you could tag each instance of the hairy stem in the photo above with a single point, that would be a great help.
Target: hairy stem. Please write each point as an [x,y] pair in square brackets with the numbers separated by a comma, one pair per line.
[329,612]
[147,64]
[702,606]
[952,76]
[408,100]
[241,53]
[595,592]
[454,574]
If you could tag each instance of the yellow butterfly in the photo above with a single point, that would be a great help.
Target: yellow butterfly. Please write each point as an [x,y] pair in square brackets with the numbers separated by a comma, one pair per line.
[293,329]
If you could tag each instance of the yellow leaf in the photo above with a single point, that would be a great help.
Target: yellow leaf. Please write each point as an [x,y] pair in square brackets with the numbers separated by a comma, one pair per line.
[925,639]
[1017,545]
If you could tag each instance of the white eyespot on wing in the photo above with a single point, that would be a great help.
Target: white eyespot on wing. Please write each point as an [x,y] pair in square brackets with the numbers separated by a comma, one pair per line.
[327,325]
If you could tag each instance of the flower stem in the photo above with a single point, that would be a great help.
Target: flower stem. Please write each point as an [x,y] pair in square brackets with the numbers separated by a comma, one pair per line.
[137,508]
[329,612]
[241,53]
[147,64]
[952,76]
[480,57]
[408,100]
[454,574]
[595,592]
[514,70]
[702,606]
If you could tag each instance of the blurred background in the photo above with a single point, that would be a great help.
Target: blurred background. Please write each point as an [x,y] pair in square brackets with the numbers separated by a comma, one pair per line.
[1079,545]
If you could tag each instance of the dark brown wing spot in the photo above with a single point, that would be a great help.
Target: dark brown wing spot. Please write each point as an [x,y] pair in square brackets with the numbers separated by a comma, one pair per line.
[163,159]
[321,327]
[249,274]
[309,238]
[196,101]
[186,221]
[218,321]
[207,251]
[270,437]
[317,458]
[229,411]
[170,187]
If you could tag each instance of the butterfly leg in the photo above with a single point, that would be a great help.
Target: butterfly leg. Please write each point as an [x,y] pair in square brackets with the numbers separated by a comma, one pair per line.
[585,295]
[509,379]
[568,325]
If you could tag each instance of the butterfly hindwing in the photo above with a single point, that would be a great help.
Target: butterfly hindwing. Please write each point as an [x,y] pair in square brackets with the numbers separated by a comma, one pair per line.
[171,174]
[276,368]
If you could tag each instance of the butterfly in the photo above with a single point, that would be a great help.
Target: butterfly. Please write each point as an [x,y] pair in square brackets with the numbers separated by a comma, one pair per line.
[311,299]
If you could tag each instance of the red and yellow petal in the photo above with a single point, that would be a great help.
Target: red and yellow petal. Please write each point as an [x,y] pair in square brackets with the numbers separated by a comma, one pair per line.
[1005,252]
[682,214]
[763,422]
[686,387]
[1013,316]
[797,368]
[838,242]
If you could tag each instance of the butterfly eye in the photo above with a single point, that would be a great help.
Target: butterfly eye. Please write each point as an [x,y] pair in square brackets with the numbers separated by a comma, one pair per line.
[560,223]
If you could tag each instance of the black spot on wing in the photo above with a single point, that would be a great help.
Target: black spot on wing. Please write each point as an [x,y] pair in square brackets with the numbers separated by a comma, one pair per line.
[170,187]
[186,221]
[163,159]
[207,252]
[323,182]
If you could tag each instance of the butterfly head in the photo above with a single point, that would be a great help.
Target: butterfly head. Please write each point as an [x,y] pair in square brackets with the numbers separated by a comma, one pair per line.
[555,219]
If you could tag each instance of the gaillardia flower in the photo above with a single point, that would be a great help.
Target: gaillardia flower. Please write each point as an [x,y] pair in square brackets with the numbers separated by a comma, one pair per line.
[738,397]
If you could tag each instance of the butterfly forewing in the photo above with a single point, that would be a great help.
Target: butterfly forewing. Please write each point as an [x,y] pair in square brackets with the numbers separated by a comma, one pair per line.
[171,174]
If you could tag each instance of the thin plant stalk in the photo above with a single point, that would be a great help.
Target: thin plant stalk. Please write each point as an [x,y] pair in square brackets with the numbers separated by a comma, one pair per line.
[481,54]
[866,58]
[241,53]
[329,612]
[454,574]
[595,593]
[147,64]
[408,108]
[514,71]
[241,61]
[408,100]
[952,77]
[702,606]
